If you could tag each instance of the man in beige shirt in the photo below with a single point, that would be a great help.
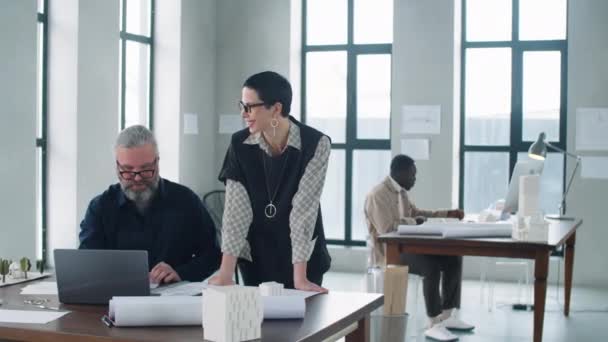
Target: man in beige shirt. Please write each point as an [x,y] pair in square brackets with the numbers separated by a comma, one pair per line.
[388,206]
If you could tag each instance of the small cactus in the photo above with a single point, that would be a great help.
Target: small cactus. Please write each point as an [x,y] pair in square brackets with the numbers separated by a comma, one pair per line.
[25,265]
[4,266]
[40,266]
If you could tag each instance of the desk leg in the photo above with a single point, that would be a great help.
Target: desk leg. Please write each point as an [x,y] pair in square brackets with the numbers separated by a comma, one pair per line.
[541,269]
[568,272]
[392,254]
[361,334]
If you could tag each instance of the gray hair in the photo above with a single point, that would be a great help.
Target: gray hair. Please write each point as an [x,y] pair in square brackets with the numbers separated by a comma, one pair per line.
[134,136]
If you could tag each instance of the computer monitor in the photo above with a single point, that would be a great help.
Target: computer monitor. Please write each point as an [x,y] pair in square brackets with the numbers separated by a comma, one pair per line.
[522,168]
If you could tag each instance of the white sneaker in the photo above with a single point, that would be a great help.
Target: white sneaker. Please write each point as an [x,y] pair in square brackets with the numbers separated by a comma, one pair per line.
[438,332]
[455,323]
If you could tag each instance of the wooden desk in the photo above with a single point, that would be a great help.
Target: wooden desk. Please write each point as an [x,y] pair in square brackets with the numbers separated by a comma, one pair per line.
[326,315]
[560,233]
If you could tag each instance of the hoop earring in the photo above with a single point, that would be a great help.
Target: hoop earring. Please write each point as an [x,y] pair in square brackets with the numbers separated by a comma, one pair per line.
[274,123]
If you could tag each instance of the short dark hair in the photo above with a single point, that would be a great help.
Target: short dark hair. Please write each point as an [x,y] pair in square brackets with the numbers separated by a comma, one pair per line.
[400,163]
[271,88]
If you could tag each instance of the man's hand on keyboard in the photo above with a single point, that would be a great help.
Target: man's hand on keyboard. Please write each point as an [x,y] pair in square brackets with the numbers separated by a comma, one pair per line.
[163,273]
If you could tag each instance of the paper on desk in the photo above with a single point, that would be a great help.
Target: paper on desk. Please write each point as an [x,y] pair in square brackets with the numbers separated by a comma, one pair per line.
[41,288]
[188,310]
[459,229]
[183,288]
[29,316]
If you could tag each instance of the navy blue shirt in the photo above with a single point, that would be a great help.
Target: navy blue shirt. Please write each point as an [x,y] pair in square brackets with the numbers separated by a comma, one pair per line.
[175,229]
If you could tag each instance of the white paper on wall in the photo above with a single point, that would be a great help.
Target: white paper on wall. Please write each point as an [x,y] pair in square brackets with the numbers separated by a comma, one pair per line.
[420,119]
[191,123]
[418,149]
[230,123]
[591,128]
[594,167]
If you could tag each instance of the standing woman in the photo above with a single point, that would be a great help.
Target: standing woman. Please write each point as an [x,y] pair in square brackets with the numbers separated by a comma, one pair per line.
[274,172]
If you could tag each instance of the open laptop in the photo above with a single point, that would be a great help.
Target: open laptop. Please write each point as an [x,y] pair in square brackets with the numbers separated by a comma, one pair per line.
[89,276]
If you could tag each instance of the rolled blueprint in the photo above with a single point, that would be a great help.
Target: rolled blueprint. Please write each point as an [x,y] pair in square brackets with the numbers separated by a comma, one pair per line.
[459,229]
[187,310]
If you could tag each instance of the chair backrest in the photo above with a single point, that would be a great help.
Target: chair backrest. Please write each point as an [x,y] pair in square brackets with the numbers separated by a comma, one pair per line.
[214,202]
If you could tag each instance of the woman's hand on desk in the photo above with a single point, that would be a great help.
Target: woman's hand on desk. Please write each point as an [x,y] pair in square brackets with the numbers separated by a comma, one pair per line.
[456,213]
[224,275]
[307,285]
[221,280]
[300,280]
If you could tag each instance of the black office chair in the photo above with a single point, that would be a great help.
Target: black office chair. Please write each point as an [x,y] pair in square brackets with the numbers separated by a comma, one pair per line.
[214,203]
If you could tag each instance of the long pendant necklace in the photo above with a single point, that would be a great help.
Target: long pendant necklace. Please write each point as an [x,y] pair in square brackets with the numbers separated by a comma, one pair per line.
[270,210]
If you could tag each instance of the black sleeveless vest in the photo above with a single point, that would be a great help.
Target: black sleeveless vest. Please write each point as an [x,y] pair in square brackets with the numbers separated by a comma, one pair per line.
[263,176]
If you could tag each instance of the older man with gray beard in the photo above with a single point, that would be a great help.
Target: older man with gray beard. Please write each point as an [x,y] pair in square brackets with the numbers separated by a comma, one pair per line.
[146,212]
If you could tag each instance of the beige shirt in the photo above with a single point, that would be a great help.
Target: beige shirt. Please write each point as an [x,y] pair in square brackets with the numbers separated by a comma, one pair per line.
[386,207]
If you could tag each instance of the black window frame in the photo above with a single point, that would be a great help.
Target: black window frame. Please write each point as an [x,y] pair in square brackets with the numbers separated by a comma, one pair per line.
[124,37]
[42,140]
[351,143]
[517,144]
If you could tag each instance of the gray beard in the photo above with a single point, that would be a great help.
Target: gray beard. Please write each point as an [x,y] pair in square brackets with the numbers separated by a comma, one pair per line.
[141,199]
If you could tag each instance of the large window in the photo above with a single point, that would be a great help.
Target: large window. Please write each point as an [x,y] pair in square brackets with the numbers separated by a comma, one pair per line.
[514,57]
[136,60]
[346,93]
[41,129]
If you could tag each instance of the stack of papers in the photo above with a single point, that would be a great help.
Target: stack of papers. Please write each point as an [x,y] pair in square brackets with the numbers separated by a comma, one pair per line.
[40,288]
[459,229]
[182,288]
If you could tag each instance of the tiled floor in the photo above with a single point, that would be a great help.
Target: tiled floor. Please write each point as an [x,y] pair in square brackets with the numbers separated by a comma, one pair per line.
[588,316]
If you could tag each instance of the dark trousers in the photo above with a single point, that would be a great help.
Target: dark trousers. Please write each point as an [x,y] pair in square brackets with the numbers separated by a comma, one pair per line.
[431,268]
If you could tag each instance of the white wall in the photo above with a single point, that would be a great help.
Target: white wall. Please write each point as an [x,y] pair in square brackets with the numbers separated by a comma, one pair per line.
[588,87]
[83,111]
[18,34]
[423,74]
[167,78]
[198,77]
[252,36]
[184,83]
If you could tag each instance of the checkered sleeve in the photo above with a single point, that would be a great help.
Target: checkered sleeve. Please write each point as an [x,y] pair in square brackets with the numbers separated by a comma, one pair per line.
[305,203]
[236,221]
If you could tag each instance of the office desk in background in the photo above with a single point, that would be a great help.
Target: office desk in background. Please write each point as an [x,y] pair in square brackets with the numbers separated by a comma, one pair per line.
[560,233]
[326,315]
